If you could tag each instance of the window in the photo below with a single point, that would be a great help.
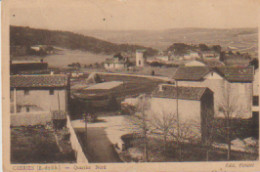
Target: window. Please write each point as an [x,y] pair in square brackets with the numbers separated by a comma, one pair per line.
[26,92]
[27,109]
[255,116]
[51,92]
[139,62]
[255,100]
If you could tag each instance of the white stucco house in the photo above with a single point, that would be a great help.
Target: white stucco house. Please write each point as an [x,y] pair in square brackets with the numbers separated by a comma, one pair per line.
[194,105]
[31,93]
[237,82]
[118,62]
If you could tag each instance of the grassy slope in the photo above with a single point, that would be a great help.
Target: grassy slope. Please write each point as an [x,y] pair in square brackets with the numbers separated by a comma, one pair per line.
[25,36]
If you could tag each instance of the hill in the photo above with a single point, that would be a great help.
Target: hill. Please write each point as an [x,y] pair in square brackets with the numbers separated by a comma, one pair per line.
[243,39]
[26,36]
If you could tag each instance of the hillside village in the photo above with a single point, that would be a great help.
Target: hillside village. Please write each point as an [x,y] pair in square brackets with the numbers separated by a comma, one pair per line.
[137,105]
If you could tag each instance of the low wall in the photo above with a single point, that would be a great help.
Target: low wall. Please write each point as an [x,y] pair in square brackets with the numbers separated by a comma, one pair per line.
[30,118]
[80,156]
[164,78]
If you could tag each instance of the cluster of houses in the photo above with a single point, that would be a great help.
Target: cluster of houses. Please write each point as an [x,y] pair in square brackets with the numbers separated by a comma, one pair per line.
[211,58]
[171,58]
[200,93]
[209,85]
[119,62]
[199,87]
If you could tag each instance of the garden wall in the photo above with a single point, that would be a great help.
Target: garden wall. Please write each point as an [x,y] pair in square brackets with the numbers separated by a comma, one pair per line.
[80,156]
[31,118]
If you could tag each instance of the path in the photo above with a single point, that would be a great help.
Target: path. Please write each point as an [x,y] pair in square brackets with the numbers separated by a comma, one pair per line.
[100,138]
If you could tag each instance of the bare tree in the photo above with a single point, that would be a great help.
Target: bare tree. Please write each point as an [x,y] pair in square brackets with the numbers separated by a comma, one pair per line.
[185,132]
[140,123]
[163,123]
[229,109]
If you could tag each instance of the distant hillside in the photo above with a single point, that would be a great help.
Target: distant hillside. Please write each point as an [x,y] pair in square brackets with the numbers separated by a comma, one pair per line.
[25,36]
[244,39]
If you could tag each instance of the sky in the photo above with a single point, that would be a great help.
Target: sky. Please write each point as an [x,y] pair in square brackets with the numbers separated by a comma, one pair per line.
[75,15]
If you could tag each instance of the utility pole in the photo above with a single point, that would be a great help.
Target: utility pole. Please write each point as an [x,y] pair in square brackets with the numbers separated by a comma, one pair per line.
[178,122]
[15,106]
[86,125]
[59,101]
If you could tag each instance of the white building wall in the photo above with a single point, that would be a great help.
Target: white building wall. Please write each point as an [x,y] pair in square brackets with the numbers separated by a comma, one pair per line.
[140,59]
[167,105]
[113,66]
[119,66]
[241,95]
[189,112]
[43,99]
[242,92]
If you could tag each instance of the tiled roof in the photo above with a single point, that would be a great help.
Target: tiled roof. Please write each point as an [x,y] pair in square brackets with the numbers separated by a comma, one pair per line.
[231,74]
[38,81]
[212,63]
[237,74]
[191,73]
[236,56]
[185,93]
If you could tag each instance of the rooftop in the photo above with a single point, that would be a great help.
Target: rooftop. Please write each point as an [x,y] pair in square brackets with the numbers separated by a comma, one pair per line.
[26,62]
[192,73]
[185,93]
[38,81]
[212,63]
[231,74]
[105,85]
[236,74]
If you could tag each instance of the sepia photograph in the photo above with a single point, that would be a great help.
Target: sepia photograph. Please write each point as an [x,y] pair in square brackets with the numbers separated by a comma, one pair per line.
[127,81]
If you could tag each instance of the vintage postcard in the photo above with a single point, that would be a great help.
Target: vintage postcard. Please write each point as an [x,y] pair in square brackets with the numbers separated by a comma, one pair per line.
[130,85]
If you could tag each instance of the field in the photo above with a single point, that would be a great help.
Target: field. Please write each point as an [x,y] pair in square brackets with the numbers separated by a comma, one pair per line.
[109,100]
[133,85]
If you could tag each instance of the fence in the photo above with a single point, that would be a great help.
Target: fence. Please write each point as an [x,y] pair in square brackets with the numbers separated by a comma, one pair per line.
[80,156]
[31,118]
